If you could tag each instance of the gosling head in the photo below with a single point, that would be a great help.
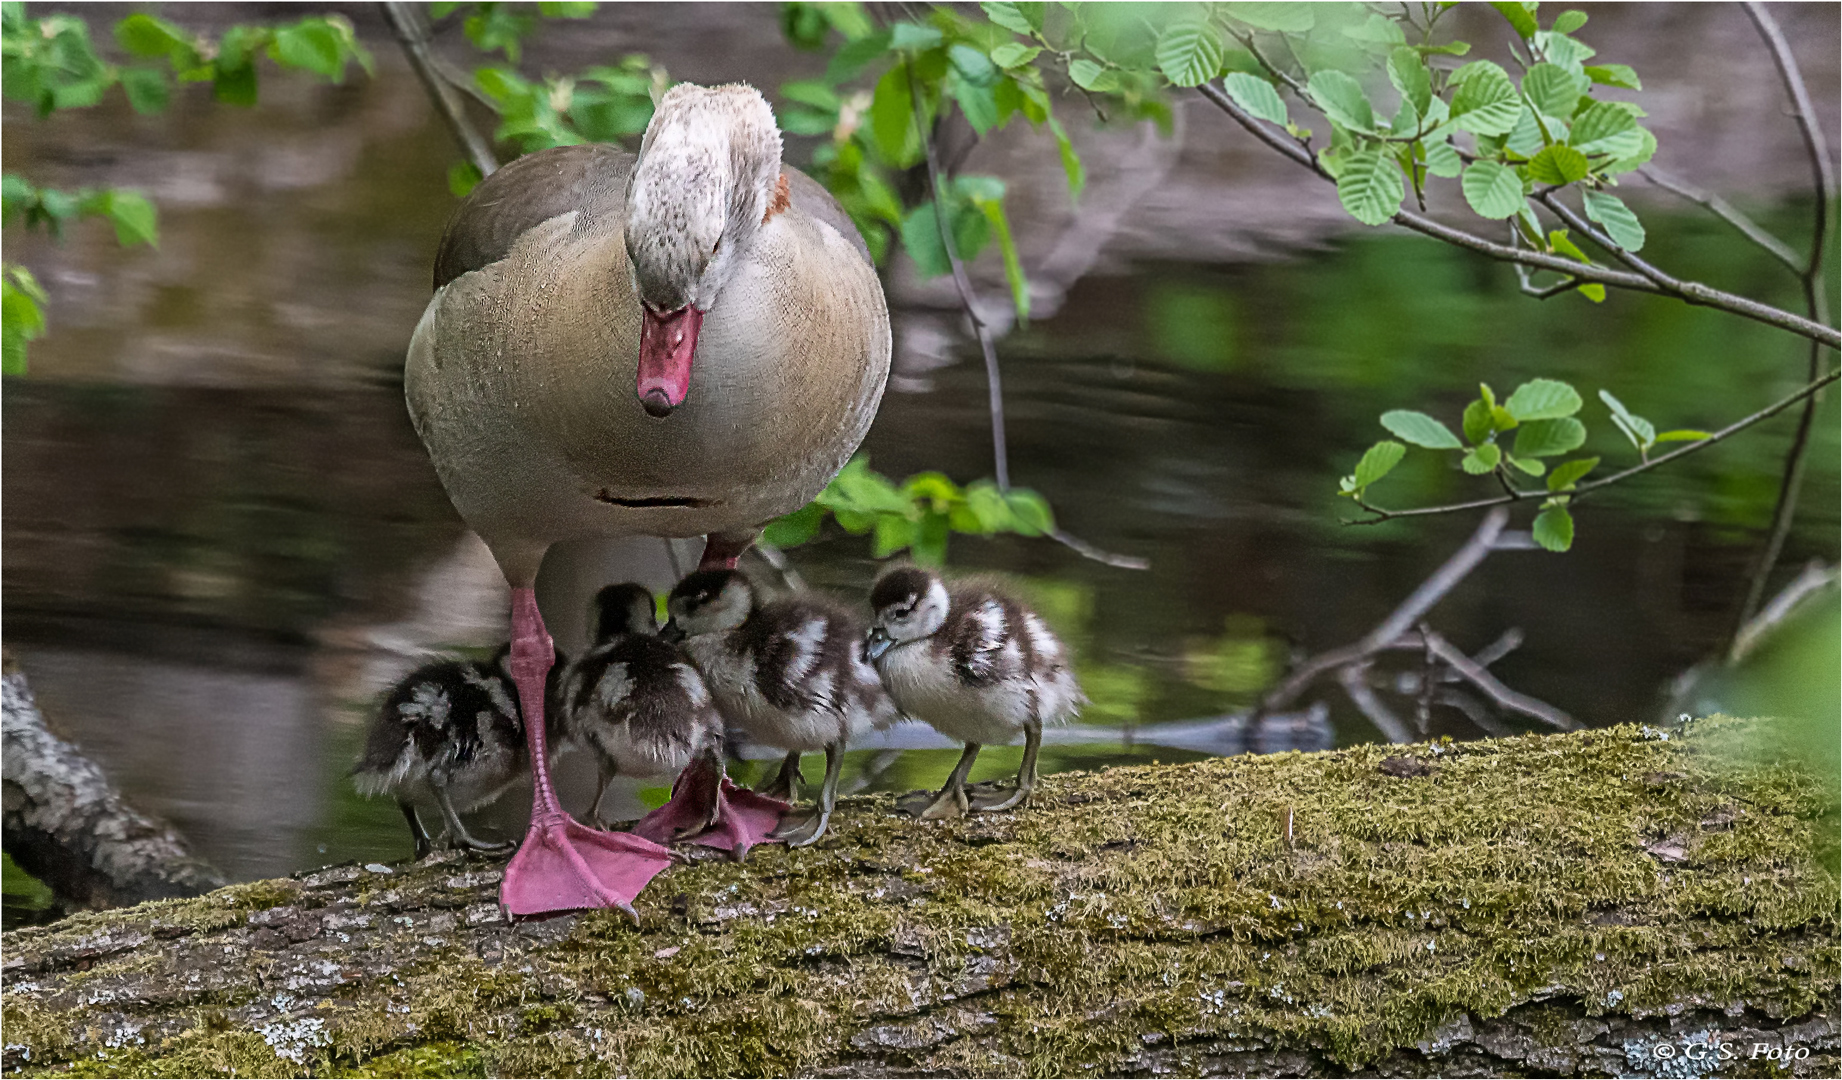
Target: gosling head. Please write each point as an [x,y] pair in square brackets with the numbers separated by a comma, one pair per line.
[624,609]
[707,175]
[708,602]
[908,604]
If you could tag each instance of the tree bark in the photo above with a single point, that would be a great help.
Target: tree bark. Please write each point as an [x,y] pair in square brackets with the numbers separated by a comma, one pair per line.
[69,827]
[1539,905]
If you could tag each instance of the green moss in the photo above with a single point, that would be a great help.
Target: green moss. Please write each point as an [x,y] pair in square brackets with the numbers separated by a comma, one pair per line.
[1629,870]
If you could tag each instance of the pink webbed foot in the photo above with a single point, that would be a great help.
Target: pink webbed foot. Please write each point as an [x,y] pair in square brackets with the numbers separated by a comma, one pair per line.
[707,809]
[564,866]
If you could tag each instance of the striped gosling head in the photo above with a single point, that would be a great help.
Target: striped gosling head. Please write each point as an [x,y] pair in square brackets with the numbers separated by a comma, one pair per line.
[708,602]
[907,604]
[624,609]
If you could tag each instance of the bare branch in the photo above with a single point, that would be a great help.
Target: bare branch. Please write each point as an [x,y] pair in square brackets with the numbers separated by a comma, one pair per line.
[1496,691]
[1381,514]
[1357,687]
[406,23]
[1692,292]
[1727,212]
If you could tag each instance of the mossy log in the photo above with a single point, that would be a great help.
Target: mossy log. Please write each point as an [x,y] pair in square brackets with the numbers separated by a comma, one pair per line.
[1544,905]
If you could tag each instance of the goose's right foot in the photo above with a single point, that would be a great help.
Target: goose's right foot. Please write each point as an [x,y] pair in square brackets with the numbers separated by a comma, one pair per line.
[565,866]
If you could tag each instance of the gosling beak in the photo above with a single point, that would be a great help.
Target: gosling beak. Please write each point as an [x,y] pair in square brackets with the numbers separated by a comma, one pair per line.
[671,633]
[877,642]
[668,342]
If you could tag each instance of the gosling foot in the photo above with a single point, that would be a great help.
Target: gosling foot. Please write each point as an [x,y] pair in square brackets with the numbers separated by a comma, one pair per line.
[948,803]
[995,799]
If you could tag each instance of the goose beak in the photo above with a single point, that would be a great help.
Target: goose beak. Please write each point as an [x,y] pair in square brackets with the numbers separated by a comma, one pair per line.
[668,341]
[877,642]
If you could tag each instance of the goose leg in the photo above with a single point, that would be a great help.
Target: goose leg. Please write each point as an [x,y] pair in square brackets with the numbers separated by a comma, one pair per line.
[416,831]
[784,785]
[951,802]
[562,865]
[705,808]
[812,827]
[721,550]
[1026,775]
[458,829]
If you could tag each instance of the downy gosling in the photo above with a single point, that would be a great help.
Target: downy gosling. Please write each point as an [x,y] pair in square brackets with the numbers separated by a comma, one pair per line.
[637,704]
[975,664]
[790,673]
[450,733]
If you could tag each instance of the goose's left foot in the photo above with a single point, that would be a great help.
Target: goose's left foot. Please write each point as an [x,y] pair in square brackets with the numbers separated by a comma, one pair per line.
[707,809]
[809,827]
[994,800]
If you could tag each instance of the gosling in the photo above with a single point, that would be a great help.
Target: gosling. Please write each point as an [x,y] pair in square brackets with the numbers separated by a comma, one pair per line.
[978,666]
[637,704]
[790,673]
[451,734]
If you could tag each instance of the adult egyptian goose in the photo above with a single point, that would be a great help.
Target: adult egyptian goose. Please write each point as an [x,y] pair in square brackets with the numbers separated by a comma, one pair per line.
[975,664]
[690,342]
[790,673]
[449,733]
[638,705]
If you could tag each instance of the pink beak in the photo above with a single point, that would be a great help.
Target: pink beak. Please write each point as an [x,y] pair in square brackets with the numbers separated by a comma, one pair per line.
[668,341]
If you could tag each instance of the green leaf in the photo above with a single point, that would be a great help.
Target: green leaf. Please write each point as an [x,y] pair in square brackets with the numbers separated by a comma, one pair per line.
[1481,460]
[1593,291]
[892,118]
[1646,150]
[1025,19]
[1288,18]
[1558,164]
[1560,49]
[133,216]
[1478,426]
[1554,90]
[1558,242]
[1190,53]
[990,510]
[910,37]
[1013,55]
[1031,512]
[1494,191]
[463,177]
[892,533]
[921,239]
[146,89]
[1604,128]
[1486,102]
[1569,21]
[309,45]
[1378,461]
[1684,435]
[1442,159]
[1093,78]
[1341,99]
[234,85]
[1071,161]
[1420,430]
[1620,223]
[1549,438]
[1369,185]
[1520,16]
[1619,75]
[1640,431]
[993,209]
[1554,528]
[1407,71]
[1568,473]
[1256,95]
[1543,399]
[1532,466]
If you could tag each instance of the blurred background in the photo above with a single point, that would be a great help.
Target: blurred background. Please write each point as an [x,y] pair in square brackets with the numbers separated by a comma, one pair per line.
[222,539]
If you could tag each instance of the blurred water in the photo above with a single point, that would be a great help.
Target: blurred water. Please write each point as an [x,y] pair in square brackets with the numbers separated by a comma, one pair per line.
[221,537]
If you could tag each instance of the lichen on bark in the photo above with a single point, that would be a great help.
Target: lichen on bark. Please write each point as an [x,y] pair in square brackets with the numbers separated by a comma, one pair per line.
[1536,905]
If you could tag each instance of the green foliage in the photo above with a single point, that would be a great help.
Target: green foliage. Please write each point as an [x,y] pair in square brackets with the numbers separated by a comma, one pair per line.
[22,316]
[602,104]
[1541,413]
[917,515]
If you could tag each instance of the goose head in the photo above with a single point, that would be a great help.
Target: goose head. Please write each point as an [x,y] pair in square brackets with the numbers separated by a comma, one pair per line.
[707,175]
[708,602]
[908,604]
[624,609]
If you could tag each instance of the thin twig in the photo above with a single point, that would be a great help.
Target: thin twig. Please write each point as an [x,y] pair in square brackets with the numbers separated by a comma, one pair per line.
[962,281]
[1380,514]
[1388,632]
[1496,691]
[1351,676]
[407,24]
[1692,292]
[1474,711]
[1814,576]
[1816,302]
[1727,212]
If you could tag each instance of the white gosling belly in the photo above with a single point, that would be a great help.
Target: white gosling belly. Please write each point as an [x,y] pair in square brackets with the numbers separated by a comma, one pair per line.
[928,690]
